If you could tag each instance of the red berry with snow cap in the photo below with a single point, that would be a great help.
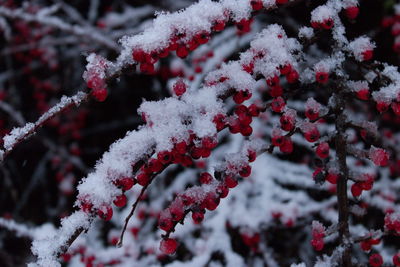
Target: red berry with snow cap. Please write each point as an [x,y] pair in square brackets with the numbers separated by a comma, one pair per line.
[179,87]
[105,212]
[352,12]
[168,246]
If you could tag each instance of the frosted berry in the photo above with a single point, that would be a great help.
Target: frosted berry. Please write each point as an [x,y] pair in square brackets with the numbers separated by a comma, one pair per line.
[375,260]
[219,25]
[179,87]
[206,178]
[105,212]
[287,121]
[352,12]
[120,201]
[251,154]
[379,156]
[99,94]
[125,183]
[273,82]
[382,106]
[139,55]
[168,246]
[244,25]
[323,150]
[241,96]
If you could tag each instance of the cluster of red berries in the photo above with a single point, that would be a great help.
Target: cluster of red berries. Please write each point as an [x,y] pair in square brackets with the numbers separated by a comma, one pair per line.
[284,143]
[242,118]
[318,234]
[199,199]
[96,82]
[365,184]
[392,222]
[367,244]
[88,259]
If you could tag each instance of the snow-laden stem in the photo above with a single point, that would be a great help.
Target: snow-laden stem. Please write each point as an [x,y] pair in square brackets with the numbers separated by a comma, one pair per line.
[340,144]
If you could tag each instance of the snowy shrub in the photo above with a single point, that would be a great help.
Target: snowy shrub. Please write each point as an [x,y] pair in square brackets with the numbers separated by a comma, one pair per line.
[265,133]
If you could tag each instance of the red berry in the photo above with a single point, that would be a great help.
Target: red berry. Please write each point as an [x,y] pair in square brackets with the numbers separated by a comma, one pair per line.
[312,135]
[396,259]
[276,91]
[356,189]
[256,4]
[177,210]
[318,244]
[197,217]
[241,96]
[285,69]
[273,82]
[219,121]
[281,2]
[367,54]
[352,12]
[211,201]
[165,222]
[209,142]
[125,183]
[363,94]
[219,25]
[222,190]
[278,104]
[203,37]
[164,157]
[286,146]
[179,87]
[376,260]
[244,25]
[168,246]
[287,122]
[147,68]
[382,106]
[379,156]
[327,24]
[332,177]
[143,178]
[245,171]
[254,110]
[206,178]
[99,94]
[182,51]
[251,154]
[323,150]
[292,77]
[396,108]
[246,130]
[86,206]
[366,245]
[154,165]
[322,77]
[139,55]
[230,182]
[120,201]
[105,212]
